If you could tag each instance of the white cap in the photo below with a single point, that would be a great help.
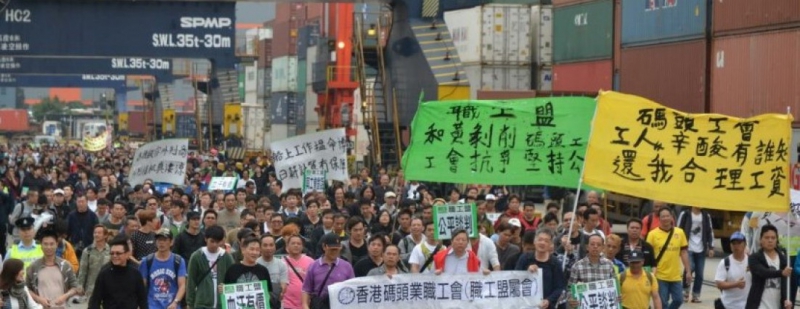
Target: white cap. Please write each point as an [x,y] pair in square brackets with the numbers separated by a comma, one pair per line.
[515,222]
[491,197]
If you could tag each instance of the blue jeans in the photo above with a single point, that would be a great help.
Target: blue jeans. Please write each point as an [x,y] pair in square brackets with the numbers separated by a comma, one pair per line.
[668,289]
[697,261]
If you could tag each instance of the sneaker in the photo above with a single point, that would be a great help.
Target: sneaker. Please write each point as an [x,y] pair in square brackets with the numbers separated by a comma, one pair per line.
[696,300]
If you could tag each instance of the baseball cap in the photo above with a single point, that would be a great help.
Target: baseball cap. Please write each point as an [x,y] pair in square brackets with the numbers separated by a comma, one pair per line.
[636,256]
[737,236]
[58,191]
[515,222]
[164,232]
[389,194]
[331,240]
[491,197]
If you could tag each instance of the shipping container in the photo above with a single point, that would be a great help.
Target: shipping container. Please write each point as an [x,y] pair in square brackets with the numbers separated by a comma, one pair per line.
[302,71]
[288,11]
[542,34]
[582,76]
[306,36]
[495,34]
[671,74]
[279,107]
[453,5]
[505,94]
[756,73]
[312,54]
[655,22]
[186,125]
[265,53]
[284,39]
[250,83]
[256,126]
[278,132]
[314,11]
[13,120]
[137,122]
[617,41]
[544,79]
[528,2]
[301,113]
[312,118]
[497,78]
[284,74]
[558,3]
[734,16]
[583,32]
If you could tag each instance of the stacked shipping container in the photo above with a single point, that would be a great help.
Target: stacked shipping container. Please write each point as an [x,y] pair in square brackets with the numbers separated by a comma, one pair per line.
[583,36]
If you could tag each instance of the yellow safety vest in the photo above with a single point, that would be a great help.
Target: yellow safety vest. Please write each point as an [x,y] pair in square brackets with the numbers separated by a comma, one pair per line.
[27,256]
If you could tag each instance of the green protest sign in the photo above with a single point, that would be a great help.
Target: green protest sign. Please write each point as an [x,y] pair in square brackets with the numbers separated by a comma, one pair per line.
[538,141]
[250,295]
[450,217]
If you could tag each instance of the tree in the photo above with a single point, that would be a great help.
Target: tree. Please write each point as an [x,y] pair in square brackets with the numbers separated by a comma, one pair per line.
[53,106]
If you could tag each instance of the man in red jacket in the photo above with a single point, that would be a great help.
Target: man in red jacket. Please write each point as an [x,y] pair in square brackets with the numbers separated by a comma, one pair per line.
[457,259]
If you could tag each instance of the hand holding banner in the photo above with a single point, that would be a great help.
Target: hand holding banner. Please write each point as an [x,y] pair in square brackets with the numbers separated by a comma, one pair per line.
[641,148]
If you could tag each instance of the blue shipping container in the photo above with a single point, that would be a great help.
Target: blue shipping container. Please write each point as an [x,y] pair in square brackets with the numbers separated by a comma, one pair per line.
[306,36]
[185,126]
[281,107]
[301,113]
[661,21]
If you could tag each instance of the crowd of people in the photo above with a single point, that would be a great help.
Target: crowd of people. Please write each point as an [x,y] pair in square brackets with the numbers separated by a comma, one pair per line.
[78,231]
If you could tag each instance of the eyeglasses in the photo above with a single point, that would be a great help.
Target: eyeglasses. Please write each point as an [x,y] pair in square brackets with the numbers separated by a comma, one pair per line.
[116,253]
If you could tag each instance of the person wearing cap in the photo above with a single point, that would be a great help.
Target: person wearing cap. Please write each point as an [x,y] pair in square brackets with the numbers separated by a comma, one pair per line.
[191,238]
[164,274]
[59,209]
[26,249]
[330,266]
[732,276]
[50,279]
[637,286]
[390,203]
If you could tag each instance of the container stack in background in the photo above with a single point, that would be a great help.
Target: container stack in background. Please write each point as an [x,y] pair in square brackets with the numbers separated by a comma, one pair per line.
[663,52]
[308,37]
[283,102]
[755,58]
[583,36]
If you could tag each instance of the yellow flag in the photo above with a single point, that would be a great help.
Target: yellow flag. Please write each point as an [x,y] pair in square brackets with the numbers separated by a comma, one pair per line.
[638,147]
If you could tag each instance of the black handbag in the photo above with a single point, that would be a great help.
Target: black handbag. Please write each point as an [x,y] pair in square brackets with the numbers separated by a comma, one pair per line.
[319,302]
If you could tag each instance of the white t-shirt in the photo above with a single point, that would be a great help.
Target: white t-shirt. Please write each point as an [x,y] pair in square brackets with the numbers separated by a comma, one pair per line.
[696,234]
[487,252]
[212,257]
[417,257]
[734,298]
[772,288]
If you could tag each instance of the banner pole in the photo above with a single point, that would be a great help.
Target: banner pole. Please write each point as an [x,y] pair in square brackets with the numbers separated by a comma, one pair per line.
[790,215]
[580,185]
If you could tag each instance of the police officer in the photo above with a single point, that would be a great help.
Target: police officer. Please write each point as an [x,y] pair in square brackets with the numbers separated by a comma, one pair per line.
[27,249]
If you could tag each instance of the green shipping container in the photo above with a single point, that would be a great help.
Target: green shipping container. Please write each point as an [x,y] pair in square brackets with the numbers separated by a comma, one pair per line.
[302,65]
[583,32]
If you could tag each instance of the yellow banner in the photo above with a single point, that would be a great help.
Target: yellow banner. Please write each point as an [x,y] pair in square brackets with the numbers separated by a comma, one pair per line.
[638,147]
[168,121]
[94,144]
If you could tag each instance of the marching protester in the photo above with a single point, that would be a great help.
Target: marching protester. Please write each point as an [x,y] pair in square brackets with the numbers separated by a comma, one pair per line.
[733,277]
[50,279]
[119,284]
[671,246]
[696,222]
[93,259]
[638,287]
[12,286]
[541,259]
[770,271]
[207,268]
[325,271]
[164,273]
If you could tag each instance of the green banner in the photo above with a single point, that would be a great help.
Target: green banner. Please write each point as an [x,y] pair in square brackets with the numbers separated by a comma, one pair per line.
[250,295]
[539,141]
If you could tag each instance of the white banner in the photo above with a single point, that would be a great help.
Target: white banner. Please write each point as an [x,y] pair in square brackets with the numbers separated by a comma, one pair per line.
[222,183]
[505,289]
[162,161]
[603,294]
[321,152]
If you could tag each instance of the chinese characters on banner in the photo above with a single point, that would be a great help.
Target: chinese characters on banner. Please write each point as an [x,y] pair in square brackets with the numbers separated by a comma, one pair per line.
[507,289]
[321,152]
[641,148]
[448,218]
[313,182]
[98,143]
[222,183]
[538,141]
[251,295]
[162,161]
[602,294]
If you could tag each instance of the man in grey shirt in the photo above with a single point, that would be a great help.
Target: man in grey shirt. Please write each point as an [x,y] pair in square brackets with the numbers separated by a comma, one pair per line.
[277,268]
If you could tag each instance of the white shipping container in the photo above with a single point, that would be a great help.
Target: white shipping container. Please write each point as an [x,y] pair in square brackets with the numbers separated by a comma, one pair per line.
[493,34]
[250,83]
[278,132]
[260,75]
[312,56]
[256,125]
[284,74]
[544,79]
[497,78]
[542,33]
[311,114]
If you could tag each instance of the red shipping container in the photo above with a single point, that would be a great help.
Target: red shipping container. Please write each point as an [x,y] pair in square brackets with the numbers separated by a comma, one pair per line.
[137,123]
[671,74]
[314,11]
[730,16]
[13,120]
[756,74]
[582,76]
[287,11]
[505,94]
[284,39]
[264,54]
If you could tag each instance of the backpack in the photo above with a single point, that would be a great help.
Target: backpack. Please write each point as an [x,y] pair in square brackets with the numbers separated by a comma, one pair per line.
[624,274]
[177,260]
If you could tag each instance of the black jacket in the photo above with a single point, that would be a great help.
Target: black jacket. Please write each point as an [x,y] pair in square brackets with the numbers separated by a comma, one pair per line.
[647,249]
[120,288]
[760,271]
[186,244]
[685,223]
[552,276]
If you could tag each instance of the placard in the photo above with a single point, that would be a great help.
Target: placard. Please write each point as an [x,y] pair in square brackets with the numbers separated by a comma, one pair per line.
[321,152]
[314,182]
[448,218]
[603,294]
[222,183]
[251,295]
[162,161]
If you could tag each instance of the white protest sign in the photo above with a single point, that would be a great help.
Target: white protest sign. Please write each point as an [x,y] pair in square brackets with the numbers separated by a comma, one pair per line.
[450,217]
[313,182]
[222,183]
[248,295]
[505,289]
[162,161]
[603,294]
[321,152]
